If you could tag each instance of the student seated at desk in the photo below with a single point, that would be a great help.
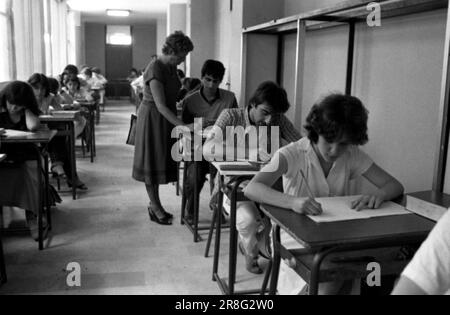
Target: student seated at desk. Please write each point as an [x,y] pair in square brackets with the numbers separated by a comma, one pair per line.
[99,84]
[207,103]
[329,158]
[266,109]
[58,147]
[429,271]
[19,111]
[72,91]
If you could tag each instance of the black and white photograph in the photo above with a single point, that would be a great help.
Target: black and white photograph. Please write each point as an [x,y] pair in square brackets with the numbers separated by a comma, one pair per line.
[224,154]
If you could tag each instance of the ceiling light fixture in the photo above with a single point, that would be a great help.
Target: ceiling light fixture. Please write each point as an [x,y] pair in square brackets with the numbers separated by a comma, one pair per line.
[118,13]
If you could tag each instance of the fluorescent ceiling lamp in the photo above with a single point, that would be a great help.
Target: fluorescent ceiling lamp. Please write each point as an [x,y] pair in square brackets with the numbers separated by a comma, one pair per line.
[118,13]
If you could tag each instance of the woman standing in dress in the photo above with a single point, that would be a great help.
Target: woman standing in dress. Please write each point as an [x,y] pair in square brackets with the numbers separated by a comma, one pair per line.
[153,163]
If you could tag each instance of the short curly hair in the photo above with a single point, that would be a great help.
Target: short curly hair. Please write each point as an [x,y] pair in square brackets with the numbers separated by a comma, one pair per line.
[177,43]
[337,116]
[273,95]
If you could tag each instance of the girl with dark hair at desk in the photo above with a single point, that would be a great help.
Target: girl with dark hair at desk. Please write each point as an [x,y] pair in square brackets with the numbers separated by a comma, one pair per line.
[19,111]
[322,165]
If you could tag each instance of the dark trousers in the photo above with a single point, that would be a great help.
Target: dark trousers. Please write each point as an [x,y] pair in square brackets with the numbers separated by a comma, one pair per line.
[203,169]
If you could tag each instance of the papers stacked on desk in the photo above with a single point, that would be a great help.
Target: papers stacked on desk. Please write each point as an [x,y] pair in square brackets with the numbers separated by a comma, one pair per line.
[65,114]
[339,209]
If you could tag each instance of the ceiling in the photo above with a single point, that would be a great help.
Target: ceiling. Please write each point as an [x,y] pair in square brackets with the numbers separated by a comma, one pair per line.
[142,11]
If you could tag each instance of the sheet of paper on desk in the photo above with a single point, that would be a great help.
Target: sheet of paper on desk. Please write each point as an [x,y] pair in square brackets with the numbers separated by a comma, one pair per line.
[337,209]
[16,133]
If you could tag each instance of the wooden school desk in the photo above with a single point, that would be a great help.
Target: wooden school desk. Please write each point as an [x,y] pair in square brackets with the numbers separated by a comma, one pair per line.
[239,172]
[69,132]
[39,140]
[3,276]
[318,263]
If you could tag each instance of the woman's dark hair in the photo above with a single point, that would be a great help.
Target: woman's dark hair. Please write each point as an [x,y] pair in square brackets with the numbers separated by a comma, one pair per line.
[337,116]
[177,43]
[74,79]
[20,94]
[71,69]
[53,85]
[273,95]
[40,81]
[213,68]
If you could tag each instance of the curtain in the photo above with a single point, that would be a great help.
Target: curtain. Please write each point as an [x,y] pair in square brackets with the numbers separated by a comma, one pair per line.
[6,48]
[29,30]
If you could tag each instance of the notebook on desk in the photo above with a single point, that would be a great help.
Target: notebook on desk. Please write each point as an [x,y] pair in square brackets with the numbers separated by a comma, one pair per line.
[338,209]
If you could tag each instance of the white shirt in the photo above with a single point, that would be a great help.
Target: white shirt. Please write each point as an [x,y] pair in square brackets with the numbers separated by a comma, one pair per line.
[430,268]
[300,156]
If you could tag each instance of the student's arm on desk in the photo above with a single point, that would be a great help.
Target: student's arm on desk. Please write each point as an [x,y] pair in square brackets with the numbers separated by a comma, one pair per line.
[407,287]
[260,190]
[32,121]
[389,188]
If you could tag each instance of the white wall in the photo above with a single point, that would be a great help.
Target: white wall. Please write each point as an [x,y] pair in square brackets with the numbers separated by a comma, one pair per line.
[161,34]
[398,75]
[176,17]
[144,44]
[228,42]
[202,34]
[293,7]
[261,11]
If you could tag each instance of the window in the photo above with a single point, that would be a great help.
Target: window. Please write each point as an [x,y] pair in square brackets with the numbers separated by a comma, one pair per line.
[119,35]
[5,47]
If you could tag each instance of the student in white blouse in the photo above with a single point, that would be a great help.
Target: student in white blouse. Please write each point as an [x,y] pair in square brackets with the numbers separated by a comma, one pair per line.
[429,271]
[330,158]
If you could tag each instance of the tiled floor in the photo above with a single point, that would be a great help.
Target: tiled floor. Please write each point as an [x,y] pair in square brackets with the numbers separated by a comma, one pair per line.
[108,233]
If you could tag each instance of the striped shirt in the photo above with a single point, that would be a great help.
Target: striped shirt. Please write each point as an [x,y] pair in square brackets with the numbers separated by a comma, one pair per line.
[240,117]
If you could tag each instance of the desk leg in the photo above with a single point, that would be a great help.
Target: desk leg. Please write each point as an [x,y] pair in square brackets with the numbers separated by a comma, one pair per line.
[92,135]
[218,228]
[276,259]
[196,202]
[47,190]
[3,277]
[41,198]
[233,240]
[73,161]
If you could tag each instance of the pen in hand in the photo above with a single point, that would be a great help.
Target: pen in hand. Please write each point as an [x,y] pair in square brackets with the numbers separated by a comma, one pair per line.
[311,207]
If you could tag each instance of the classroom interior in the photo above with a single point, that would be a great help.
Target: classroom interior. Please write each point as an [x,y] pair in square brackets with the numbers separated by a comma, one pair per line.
[399,69]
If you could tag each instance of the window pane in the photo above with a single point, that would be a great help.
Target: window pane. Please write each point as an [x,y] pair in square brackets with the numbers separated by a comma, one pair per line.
[3,5]
[118,35]
[4,49]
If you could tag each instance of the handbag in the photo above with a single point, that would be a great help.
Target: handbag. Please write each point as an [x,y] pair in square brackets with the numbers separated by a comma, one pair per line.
[132,131]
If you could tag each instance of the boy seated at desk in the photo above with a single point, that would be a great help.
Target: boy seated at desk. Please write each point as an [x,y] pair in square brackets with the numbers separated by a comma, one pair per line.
[58,147]
[207,103]
[19,186]
[429,271]
[330,158]
[99,84]
[266,109]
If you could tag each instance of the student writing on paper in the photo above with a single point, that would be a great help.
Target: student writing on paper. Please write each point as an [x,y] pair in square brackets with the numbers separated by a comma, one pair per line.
[429,271]
[329,157]
[266,109]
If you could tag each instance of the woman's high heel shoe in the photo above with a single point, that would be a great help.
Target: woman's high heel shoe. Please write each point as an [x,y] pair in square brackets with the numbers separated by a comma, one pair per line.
[167,220]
